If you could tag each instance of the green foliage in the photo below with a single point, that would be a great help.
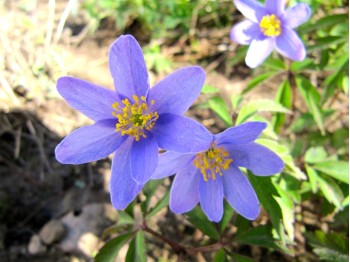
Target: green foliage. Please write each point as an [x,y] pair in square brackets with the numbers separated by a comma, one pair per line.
[110,250]
[200,221]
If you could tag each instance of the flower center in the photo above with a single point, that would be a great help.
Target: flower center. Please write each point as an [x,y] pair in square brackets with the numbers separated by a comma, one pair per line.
[212,162]
[134,119]
[270,25]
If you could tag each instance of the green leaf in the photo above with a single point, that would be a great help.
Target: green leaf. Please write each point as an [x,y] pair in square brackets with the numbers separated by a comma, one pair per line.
[260,236]
[283,97]
[160,205]
[137,248]
[330,254]
[218,105]
[297,66]
[313,178]
[239,258]
[257,80]
[228,213]
[325,42]
[220,256]
[124,218]
[267,192]
[200,221]
[148,190]
[332,240]
[208,89]
[324,22]
[274,64]
[331,191]
[312,99]
[337,169]
[262,105]
[286,204]
[315,154]
[110,250]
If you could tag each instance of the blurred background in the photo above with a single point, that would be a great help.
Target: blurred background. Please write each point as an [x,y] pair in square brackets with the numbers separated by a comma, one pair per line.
[54,212]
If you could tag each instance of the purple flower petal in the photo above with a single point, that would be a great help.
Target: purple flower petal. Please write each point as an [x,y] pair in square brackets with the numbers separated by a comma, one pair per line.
[144,158]
[258,51]
[244,32]
[211,196]
[181,134]
[275,7]
[184,191]
[251,9]
[176,93]
[240,194]
[128,67]
[241,134]
[93,101]
[89,143]
[122,187]
[170,162]
[290,45]
[257,158]
[296,15]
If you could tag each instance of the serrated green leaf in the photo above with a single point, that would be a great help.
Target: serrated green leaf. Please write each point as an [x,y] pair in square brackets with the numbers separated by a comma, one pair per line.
[337,169]
[110,250]
[257,80]
[200,221]
[312,99]
[218,105]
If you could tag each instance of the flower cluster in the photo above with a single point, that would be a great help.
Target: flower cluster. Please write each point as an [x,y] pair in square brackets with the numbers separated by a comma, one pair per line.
[134,121]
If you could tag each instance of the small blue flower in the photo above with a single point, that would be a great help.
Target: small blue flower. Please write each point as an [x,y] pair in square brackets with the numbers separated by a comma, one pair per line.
[209,176]
[269,27]
[132,121]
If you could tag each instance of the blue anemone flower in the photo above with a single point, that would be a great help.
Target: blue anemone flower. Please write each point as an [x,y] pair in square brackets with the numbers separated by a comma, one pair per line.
[209,176]
[132,121]
[269,27]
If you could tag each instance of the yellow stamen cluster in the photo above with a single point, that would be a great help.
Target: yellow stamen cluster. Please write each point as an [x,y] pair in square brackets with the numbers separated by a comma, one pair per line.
[212,162]
[134,118]
[270,25]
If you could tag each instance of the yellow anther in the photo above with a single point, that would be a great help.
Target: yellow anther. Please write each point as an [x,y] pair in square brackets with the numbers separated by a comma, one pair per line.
[270,25]
[134,118]
[212,162]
